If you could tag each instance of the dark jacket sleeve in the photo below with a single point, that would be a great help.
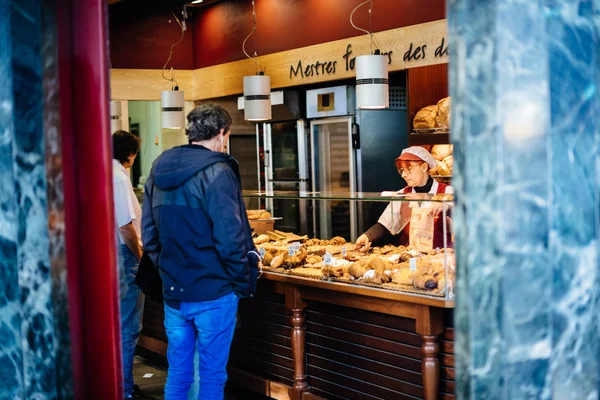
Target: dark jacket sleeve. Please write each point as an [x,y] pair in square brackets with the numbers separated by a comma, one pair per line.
[377,233]
[149,229]
[224,207]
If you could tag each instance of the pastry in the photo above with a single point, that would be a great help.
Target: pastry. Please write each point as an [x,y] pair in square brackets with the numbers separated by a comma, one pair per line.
[331,271]
[377,264]
[376,277]
[267,259]
[443,169]
[425,282]
[404,276]
[265,215]
[357,270]
[449,161]
[261,239]
[277,261]
[338,240]
[441,151]
[313,259]
[442,118]
[425,118]
[295,261]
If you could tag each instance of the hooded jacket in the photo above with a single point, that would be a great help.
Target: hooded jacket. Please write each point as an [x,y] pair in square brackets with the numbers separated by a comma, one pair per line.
[194,226]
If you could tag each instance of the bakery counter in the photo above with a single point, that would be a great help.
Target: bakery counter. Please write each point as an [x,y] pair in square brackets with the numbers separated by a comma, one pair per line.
[303,338]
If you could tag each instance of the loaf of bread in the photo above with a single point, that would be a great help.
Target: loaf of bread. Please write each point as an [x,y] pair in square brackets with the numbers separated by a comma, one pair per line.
[253,215]
[426,118]
[443,169]
[449,161]
[442,118]
[441,151]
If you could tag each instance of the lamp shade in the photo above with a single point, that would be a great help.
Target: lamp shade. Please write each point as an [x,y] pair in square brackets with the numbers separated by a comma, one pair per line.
[115,116]
[172,104]
[372,87]
[257,98]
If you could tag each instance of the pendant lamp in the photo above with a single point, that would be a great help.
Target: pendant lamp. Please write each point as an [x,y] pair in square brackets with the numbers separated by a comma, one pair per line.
[115,116]
[257,88]
[172,104]
[257,97]
[372,85]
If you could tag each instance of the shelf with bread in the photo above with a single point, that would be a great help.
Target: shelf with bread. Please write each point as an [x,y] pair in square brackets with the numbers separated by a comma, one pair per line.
[431,124]
[261,221]
[423,266]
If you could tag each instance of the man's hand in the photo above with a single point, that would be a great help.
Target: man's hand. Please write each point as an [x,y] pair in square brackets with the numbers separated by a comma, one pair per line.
[131,240]
[363,243]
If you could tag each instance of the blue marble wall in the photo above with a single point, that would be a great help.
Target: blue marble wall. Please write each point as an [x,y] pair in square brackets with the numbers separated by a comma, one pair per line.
[33,329]
[525,82]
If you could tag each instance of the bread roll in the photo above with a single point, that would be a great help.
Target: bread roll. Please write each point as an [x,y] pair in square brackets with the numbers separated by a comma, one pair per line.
[443,169]
[449,161]
[441,151]
[261,239]
[265,215]
[425,118]
[441,119]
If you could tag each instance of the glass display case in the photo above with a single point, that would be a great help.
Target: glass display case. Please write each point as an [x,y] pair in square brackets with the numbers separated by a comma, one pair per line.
[410,247]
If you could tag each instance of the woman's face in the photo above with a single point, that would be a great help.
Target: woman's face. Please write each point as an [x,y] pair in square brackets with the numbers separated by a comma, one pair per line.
[415,173]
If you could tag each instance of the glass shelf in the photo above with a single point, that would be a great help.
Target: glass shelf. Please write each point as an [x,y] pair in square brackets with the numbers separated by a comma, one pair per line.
[359,196]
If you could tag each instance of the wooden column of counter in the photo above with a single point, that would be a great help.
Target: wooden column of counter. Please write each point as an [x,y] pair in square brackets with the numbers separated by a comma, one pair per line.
[430,325]
[297,306]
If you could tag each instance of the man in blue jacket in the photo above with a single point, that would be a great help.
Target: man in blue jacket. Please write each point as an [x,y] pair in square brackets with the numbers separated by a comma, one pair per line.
[196,230]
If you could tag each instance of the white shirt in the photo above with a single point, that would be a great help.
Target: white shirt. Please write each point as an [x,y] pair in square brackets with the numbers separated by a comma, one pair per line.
[127,207]
[397,215]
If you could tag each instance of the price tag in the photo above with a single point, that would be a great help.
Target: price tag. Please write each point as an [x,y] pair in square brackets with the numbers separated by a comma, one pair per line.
[262,252]
[413,264]
[296,246]
[344,252]
[291,251]
[328,258]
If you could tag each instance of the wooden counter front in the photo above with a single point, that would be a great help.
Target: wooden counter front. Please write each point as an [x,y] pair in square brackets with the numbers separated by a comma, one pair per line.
[303,338]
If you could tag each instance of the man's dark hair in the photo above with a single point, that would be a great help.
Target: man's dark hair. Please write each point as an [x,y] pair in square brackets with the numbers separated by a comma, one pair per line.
[124,144]
[206,121]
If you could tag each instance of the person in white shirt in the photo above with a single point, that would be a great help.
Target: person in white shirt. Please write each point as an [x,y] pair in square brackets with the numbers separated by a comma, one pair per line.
[128,216]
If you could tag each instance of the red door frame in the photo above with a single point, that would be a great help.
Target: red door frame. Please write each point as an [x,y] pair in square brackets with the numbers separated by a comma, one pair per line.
[90,228]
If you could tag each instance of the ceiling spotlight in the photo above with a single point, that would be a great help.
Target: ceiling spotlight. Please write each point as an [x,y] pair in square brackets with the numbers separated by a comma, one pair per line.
[197,1]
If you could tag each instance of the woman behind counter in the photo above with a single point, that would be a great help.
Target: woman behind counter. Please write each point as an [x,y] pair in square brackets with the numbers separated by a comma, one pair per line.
[413,165]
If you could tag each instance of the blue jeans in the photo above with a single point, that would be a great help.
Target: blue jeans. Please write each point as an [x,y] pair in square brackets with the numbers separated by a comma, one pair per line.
[132,310]
[206,327]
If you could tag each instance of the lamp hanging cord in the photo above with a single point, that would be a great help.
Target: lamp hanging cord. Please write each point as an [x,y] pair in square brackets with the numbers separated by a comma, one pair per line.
[368,32]
[172,79]
[248,37]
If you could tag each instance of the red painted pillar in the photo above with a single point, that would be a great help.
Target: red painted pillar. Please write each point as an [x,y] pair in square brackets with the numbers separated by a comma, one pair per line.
[90,230]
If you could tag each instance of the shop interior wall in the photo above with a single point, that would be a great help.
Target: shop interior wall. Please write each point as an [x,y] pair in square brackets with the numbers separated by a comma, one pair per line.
[141,36]
[154,139]
[220,29]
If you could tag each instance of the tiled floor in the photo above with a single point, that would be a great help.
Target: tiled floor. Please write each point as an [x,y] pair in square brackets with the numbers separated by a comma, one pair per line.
[151,380]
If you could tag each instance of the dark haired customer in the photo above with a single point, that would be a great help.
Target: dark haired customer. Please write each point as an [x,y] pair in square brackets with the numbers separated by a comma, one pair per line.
[195,229]
[128,217]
